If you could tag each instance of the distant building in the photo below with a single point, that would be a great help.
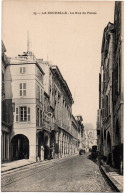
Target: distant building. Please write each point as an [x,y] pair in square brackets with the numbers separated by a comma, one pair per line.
[81,137]
[90,136]
[74,131]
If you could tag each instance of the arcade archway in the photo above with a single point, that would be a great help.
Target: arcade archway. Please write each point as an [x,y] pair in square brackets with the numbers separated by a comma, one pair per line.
[20,147]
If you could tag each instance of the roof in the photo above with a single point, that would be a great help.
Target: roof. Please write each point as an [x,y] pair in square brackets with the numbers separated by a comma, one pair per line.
[20,61]
[3,47]
[108,28]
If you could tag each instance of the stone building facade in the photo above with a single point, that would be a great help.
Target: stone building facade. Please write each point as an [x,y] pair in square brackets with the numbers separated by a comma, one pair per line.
[90,135]
[39,111]
[24,88]
[81,135]
[118,87]
[110,112]
[62,112]
[6,119]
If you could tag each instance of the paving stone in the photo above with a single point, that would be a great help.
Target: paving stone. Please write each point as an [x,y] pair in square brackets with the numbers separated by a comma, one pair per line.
[78,174]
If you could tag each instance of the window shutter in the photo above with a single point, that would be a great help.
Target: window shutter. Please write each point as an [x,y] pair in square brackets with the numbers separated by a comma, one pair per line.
[17,114]
[24,69]
[21,70]
[28,113]
[24,92]
[20,85]
[24,85]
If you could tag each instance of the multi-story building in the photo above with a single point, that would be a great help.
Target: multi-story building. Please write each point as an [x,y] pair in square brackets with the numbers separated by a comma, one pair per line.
[39,108]
[24,89]
[62,141]
[107,60]
[118,87]
[110,113]
[62,113]
[90,136]
[6,117]
[74,132]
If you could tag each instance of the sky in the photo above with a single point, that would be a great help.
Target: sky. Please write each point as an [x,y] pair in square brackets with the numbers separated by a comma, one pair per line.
[70,41]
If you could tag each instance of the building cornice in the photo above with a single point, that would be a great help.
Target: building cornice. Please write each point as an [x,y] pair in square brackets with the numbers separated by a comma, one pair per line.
[56,70]
[27,63]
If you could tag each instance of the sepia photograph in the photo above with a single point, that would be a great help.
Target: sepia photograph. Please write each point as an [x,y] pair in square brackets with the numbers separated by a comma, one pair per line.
[62,96]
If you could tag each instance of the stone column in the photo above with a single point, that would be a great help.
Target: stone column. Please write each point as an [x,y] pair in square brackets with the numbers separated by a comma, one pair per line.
[8,145]
[42,153]
[32,152]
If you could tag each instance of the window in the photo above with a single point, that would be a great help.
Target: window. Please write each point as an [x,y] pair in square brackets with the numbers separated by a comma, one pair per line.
[22,89]
[22,70]
[23,114]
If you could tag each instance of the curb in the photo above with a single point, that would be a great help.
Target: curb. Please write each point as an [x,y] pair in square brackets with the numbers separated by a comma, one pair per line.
[111,180]
[39,163]
[17,167]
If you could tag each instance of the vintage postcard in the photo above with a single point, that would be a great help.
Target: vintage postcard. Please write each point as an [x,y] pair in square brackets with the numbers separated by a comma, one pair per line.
[62,96]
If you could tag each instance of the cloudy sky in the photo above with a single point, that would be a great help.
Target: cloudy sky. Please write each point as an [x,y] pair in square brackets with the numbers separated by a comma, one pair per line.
[71,41]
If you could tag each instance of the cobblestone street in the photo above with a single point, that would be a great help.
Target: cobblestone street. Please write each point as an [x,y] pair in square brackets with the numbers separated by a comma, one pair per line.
[77,174]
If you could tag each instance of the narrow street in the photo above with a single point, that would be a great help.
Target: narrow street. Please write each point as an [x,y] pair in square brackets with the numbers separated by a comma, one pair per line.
[75,174]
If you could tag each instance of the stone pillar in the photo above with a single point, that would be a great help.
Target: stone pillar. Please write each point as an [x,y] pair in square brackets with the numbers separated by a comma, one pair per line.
[8,147]
[32,152]
[1,145]
[42,153]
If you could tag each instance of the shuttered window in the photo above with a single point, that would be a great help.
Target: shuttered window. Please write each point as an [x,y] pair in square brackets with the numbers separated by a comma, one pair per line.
[23,114]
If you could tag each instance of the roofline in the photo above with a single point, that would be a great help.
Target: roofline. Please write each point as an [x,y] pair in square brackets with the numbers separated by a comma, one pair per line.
[25,63]
[56,69]
[105,30]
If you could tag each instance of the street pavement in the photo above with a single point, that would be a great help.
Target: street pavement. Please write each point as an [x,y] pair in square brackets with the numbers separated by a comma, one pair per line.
[76,174]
